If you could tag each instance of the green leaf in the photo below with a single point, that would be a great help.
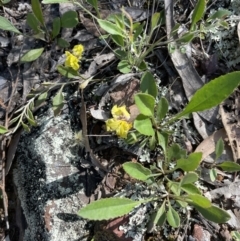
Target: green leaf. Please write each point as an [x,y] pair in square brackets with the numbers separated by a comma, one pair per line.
[175,152]
[198,12]
[30,118]
[122,55]
[220,14]
[3,130]
[162,108]
[31,55]
[55,1]
[174,187]
[212,93]
[110,28]
[173,217]
[235,235]
[186,38]
[68,72]
[69,19]
[41,98]
[189,178]
[58,102]
[199,200]
[33,22]
[213,174]
[162,140]
[118,40]
[56,27]
[145,104]
[190,189]
[191,163]
[37,10]
[144,125]
[94,3]
[219,148]
[152,142]
[108,208]
[8,26]
[62,43]
[160,216]
[137,171]
[229,166]
[213,213]
[138,28]
[148,84]
[155,21]
[124,66]
[25,127]
[142,66]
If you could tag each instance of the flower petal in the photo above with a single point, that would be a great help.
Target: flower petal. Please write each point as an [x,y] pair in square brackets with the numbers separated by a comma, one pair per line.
[78,51]
[120,112]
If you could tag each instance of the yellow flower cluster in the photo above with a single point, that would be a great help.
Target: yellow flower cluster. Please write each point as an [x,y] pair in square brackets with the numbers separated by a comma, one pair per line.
[119,121]
[72,59]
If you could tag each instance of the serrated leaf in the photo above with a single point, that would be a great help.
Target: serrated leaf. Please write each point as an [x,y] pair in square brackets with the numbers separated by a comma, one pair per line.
[68,72]
[137,171]
[110,28]
[37,10]
[214,214]
[162,108]
[199,200]
[8,26]
[148,84]
[108,208]
[173,217]
[219,148]
[145,104]
[31,55]
[212,93]
[3,130]
[229,166]
[33,22]
[189,178]
[62,43]
[56,27]
[190,189]
[162,140]
[69,19]
[191,163]
[143,124]
[198,12]
[124,66]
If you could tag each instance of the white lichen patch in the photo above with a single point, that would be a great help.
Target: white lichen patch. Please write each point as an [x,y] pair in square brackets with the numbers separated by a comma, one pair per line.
[49,183]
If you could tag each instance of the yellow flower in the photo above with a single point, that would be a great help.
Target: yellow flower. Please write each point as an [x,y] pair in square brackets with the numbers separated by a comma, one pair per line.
[120,112]
[71,61]
[121,127]
[78,51]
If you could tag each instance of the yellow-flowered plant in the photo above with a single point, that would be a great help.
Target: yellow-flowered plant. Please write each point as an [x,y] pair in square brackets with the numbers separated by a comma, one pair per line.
[119,123]
[72,59]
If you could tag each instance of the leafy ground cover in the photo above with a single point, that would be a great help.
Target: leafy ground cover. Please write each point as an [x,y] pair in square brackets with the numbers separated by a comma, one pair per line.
[141,98]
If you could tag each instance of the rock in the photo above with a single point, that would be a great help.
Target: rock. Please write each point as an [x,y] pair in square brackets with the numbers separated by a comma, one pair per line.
[49,183]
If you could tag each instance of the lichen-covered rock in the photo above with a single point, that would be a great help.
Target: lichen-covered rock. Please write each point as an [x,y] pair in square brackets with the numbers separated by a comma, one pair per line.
[49,182]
